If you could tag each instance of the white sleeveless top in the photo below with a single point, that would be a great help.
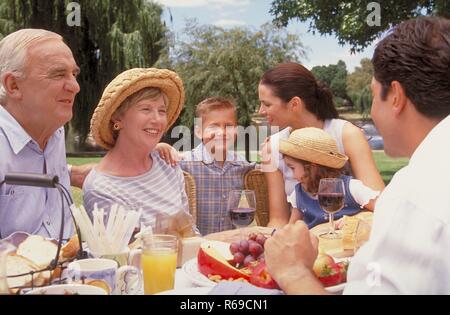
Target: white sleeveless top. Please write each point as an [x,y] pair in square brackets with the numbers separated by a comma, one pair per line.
[333,126]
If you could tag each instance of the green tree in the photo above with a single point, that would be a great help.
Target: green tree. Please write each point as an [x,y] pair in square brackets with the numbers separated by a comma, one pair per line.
[214,61]
[335,76]
[114,35]
[360,77]
[358,86]
[347,19]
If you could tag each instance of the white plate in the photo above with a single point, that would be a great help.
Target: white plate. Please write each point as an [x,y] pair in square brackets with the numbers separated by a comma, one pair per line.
[190,268]
[186,291]
[69,289]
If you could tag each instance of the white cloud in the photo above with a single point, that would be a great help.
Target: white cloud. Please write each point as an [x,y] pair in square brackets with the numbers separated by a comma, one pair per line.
[229,22]
[204,3]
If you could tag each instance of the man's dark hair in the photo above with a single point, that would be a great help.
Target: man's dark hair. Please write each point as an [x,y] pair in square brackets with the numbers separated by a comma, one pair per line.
[416,53]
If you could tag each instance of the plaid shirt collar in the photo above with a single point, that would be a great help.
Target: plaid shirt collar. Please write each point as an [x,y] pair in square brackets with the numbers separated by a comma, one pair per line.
[200,153]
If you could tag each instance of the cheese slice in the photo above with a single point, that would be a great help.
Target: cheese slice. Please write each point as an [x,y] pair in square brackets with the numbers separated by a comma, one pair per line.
[188,249]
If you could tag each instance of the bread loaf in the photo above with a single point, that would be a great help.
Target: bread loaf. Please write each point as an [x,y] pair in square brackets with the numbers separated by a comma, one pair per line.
[16,265]
[70,249]
[38,250]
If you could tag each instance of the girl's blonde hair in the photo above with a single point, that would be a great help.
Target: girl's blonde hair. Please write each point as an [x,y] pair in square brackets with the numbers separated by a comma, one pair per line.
[14,53]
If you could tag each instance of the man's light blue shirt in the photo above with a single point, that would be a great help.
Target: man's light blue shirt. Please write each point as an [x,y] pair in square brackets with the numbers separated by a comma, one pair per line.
[34,210]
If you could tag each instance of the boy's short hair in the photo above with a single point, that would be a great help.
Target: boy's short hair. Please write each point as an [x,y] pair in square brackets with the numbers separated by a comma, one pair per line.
[214,103]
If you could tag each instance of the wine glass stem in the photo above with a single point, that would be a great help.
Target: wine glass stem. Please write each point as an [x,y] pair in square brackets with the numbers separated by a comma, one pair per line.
[331,217]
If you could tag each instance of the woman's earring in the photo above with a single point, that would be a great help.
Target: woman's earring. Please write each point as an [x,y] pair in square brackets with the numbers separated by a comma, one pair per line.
[116,126]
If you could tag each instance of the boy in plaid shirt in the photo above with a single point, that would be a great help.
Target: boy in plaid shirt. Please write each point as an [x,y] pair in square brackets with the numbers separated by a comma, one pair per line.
[215,169]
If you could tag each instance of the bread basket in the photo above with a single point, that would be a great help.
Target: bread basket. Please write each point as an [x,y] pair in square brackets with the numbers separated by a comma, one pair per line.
[38,261]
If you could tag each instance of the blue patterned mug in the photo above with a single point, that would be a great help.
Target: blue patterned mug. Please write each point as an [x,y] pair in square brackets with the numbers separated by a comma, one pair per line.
[106,274]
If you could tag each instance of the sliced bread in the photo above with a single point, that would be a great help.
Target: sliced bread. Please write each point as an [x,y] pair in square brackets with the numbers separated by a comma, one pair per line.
[38,250]
[16,265]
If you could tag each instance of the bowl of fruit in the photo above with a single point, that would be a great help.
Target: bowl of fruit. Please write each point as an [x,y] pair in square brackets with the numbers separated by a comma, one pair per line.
[238,261]
[244,261]
[332,273]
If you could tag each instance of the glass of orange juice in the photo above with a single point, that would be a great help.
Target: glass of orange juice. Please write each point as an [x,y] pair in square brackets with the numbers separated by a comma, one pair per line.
[159,262]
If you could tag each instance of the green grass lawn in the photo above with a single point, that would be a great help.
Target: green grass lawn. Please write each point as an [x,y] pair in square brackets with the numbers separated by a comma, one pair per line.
[386,165]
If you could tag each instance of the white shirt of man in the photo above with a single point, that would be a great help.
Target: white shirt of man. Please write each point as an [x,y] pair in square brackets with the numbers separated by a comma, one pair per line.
[409,246]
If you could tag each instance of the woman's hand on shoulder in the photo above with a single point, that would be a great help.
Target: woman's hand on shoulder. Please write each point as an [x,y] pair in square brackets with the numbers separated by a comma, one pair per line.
[168,153]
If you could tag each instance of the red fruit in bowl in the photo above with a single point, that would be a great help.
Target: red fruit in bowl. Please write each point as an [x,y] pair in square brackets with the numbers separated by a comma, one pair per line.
[243,247]
[261,278]
[331,275]
[248,260]
[343,267]
[261,258]
[255,249]
[261,239]
[322,262]
[238,258]
[234,248]
[252,236]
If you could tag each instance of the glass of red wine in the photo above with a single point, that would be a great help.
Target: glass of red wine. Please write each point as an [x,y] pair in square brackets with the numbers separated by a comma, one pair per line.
[242,208]
[331,198]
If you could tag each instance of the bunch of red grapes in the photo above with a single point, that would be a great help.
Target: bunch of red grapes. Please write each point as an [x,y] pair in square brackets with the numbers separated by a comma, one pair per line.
[248,251]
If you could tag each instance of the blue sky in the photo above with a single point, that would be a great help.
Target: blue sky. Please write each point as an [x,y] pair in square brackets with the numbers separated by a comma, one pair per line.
[322,50]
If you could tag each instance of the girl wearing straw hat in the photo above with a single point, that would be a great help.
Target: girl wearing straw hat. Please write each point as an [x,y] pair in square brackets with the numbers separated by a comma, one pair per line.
[136,108]
[312,154]
[291,98]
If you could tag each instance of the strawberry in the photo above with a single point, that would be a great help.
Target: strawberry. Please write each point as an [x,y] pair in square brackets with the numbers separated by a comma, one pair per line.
[343,265]
[331,275]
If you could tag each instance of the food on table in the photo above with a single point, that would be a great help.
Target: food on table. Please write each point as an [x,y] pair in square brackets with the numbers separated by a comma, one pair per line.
[261,278]
[70,249]
[188,249]
[100,284]
[16,265]
[34,253]
[328,271]
[239,261]
[37,249]
[321,262]
[244,261]
[214,259]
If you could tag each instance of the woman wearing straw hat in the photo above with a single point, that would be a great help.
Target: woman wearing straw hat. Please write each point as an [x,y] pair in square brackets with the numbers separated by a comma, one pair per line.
[291,98]
[312,154]
[136,108]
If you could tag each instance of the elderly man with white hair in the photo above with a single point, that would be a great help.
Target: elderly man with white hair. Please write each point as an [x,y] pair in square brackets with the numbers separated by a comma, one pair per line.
[38,86]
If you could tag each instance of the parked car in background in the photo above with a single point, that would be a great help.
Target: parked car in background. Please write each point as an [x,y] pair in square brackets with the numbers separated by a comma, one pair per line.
[373,137]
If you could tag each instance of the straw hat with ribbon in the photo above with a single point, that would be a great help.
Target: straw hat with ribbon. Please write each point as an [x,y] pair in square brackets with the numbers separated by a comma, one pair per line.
[313,145]
[126,84]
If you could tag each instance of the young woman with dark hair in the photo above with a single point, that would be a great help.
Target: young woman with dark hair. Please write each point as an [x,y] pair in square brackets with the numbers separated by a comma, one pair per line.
[291,98]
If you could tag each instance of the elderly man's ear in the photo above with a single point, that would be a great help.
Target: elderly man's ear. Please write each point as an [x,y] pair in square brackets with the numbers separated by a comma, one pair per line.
[11,87]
